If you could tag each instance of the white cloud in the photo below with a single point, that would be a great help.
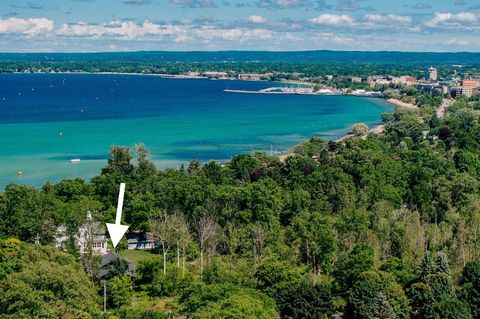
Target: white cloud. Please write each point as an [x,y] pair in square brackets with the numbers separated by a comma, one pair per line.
[194,3]
[28,27]
[447,19]
[333,20]
[128,30]
[458,42]
[256,19]
[121,29]
[282,4]
[236,34]
[388,19]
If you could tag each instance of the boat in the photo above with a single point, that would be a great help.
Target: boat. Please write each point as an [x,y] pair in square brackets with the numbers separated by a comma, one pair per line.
[75,160]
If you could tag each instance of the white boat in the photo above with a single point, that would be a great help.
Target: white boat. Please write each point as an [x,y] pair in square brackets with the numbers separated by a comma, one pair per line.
[75,160]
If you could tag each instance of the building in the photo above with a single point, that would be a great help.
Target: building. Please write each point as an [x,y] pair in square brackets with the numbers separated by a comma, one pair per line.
[463,91]
[254,76]
[404,80]
[110,261]
[428,88]
[431,75]
[469,84]
[141,242]
[216,75]
[356,79]
[90,233]
[379,82]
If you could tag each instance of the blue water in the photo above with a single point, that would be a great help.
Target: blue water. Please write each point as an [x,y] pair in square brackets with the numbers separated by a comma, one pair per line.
[47,119]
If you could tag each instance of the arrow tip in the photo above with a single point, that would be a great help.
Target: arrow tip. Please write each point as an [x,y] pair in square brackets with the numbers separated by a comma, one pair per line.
[116,232]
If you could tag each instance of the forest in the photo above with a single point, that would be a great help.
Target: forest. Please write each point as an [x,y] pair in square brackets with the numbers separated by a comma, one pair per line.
[374,226]
[287,70]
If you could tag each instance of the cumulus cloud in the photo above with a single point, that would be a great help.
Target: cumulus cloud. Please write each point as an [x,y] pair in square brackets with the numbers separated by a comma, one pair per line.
[236,34]
[452,20]
[28,27]
[128,30]
[120,29]
[458,42]
[389,19]
[283,4]
[256,19]
[194,3]
[333,20]
[422,6]
[137,2]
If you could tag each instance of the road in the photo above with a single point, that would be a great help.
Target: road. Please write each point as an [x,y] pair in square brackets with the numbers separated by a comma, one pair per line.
[442,109]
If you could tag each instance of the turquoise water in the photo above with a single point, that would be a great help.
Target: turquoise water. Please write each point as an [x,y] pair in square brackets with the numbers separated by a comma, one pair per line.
[47,119]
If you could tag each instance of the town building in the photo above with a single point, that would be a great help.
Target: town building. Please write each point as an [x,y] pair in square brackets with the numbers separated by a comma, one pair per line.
[464,91]
[431,75]
[216,75]
[90,233]
[356,79]
[404,80]
[428,88]
[469,83]
[254,76]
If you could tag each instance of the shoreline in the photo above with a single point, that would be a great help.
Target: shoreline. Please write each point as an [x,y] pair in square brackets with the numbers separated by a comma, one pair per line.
[402,104]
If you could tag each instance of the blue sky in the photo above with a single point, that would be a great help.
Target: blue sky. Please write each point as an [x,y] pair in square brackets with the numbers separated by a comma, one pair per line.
[130,25]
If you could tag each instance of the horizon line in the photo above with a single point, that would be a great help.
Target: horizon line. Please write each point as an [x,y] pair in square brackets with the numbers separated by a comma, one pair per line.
[239,51]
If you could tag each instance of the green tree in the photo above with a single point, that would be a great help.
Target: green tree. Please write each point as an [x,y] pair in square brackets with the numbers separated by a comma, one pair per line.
[306,301]
[119,291]
[350,266]
[49,284]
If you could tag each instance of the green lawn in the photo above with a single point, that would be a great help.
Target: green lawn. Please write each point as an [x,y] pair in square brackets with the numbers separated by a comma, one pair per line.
[136,255]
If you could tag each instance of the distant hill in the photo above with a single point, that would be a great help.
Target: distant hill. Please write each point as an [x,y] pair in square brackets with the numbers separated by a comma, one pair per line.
[346,57]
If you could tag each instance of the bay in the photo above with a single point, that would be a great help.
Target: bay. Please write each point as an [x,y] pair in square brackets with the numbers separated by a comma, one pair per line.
[48,119]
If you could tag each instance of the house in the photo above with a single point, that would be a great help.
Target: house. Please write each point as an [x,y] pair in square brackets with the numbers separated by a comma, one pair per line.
[90,233]
[356,79]
[112,262]
[141,241]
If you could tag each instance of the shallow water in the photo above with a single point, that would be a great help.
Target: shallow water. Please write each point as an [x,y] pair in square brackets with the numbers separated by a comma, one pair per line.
[47,119]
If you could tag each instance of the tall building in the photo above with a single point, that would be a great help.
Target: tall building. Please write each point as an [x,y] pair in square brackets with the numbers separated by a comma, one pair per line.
[431,74]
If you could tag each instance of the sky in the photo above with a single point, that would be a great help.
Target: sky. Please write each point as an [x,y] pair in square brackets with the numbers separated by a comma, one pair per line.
[274,25]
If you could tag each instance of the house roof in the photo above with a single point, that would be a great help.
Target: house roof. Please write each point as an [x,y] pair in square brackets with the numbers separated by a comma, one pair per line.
[108,258]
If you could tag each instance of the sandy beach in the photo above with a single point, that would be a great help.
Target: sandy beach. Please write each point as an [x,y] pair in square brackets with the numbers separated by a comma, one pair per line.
[400,103]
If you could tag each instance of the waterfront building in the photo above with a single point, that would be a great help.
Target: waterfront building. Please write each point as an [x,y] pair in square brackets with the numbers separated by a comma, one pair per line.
[217,75]
[254,76]
[356,79]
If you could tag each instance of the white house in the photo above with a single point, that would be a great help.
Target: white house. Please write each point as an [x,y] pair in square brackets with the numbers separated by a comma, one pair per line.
[89,233]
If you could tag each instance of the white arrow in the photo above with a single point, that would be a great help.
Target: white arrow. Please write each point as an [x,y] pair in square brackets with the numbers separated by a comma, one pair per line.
[117,230]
